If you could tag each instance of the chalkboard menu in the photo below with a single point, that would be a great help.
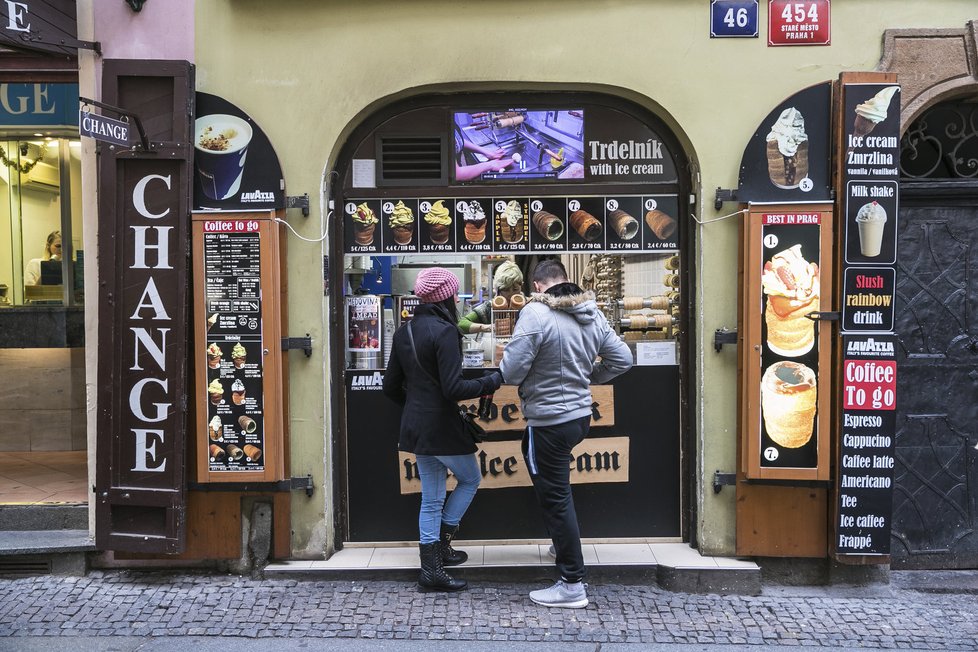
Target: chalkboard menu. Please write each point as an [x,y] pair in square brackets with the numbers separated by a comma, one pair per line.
[232,288]
[238,365]
[866,449]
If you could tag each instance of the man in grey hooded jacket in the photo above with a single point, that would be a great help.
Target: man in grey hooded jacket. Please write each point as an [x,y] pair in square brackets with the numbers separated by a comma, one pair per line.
[553,357]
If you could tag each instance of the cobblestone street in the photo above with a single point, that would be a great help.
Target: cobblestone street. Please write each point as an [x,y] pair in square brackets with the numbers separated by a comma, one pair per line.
[145,604]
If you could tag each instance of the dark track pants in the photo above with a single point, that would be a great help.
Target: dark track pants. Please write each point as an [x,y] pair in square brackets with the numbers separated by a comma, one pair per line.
[547,453]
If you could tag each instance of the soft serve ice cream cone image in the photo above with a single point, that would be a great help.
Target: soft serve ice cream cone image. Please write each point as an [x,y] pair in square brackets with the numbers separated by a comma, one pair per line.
[787,150]
[792,287]
[872,112]
[438,220]
[788,398]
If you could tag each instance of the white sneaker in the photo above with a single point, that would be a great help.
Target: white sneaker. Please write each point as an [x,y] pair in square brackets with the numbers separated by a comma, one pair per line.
[562,594]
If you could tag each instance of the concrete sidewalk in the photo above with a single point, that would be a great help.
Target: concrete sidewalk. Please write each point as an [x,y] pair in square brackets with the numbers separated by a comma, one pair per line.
[155,607]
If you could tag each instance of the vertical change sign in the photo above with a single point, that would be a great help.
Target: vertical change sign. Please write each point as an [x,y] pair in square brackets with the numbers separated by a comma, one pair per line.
[866,452]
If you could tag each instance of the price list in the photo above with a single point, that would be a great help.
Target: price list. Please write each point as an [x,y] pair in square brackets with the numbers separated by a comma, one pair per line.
[866,451]
[232,297]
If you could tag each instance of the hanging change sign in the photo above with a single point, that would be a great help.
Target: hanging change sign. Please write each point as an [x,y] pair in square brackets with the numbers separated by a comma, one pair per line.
[733,19]
[102,128]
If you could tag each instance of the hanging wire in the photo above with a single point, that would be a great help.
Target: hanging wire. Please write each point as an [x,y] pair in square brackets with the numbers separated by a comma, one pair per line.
[722,217]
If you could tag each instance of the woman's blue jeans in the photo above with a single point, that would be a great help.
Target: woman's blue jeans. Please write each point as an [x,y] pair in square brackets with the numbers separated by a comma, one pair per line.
[435,510]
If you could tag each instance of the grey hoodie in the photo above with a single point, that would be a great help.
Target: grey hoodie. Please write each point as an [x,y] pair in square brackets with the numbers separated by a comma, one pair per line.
[552,355]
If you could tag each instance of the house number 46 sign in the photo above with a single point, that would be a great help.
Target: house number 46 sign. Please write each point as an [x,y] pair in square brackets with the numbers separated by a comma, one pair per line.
[733,19]
[798,23]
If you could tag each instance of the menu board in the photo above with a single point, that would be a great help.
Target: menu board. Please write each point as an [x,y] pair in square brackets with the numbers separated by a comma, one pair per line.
[866,449]
[233,302]
[790,278]
[870,183]
[510,225]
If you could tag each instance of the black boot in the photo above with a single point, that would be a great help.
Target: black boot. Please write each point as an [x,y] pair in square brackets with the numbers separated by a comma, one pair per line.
[449,555]
[433,576]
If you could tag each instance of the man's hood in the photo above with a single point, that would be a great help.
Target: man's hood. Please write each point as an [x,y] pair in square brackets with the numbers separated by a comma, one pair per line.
[571,299]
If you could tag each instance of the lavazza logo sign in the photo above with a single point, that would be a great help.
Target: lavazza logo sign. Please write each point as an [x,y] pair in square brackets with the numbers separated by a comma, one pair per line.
[374,381]
[869,346]
[257,196]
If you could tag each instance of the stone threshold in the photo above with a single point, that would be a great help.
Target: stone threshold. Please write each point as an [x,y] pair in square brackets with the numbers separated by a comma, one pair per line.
[674,566]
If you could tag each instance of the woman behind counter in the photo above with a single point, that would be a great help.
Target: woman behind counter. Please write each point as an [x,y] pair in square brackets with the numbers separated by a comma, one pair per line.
[427,380]
[507,281]
[52,251]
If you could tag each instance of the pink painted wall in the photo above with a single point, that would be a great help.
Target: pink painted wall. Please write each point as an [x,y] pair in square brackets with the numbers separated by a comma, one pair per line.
[164,29]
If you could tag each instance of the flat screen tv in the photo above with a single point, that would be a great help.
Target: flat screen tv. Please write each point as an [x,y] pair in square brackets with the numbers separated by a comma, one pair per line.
[513,145]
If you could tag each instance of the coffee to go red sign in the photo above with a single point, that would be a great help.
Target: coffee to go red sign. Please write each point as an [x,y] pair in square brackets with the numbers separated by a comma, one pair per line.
[798,23]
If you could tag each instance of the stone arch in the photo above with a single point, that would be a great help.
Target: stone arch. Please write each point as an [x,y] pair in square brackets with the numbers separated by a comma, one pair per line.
[932,65]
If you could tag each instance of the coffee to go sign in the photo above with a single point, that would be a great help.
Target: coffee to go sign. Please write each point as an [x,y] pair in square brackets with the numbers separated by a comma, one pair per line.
[798,23]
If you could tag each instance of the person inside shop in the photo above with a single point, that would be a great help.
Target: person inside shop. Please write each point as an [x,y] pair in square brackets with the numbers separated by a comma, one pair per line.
[465,171]
[560,334]
[506,282]
[52,251]
[424,375]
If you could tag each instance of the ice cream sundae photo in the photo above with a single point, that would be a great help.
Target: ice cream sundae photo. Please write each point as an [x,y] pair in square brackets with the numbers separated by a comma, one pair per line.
[791,284]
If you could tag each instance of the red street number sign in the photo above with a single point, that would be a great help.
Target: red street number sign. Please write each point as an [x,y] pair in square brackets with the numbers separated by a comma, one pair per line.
[798,23]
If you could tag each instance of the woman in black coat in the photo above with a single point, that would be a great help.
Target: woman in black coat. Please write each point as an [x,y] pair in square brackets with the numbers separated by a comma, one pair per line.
[427,380]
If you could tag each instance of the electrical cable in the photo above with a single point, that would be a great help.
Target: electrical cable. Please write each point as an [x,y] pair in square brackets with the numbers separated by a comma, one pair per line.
[296,233]
[722,217]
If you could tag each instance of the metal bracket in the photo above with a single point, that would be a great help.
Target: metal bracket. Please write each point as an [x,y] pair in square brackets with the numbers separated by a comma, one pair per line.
[291,484]
[721,480]
[95,46]
[723,336]
[824,316]
[298,343]
[299,201]
[304,483]
[724,194]
[124,113]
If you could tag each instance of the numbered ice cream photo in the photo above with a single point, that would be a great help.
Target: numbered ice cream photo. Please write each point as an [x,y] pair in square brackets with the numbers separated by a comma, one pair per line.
[585,225]
[364,224]
[402,223]
[216,391]
[548,225]
[872,112]
[871,221]
[624,225]
[438,220]
[211,321]
[237,392]
[792,287]
[215,429]
[511,222]
[662,225]
[475,221]
[788,398]
[214,354]
[239,355]
[787,150]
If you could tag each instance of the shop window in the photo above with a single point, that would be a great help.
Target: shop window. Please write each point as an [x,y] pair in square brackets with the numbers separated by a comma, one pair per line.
[942,143]
[41,254]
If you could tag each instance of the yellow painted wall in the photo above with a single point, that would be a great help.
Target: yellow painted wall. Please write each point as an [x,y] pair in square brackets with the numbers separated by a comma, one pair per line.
[307,70]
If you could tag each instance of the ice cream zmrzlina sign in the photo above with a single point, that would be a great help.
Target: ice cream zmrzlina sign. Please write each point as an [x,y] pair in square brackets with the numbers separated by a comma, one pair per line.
[869,163]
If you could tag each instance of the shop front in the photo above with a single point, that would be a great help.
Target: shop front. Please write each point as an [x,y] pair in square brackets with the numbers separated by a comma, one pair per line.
[469,182]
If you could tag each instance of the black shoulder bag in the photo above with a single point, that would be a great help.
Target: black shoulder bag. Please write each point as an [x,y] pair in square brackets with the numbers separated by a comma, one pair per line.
[469,425]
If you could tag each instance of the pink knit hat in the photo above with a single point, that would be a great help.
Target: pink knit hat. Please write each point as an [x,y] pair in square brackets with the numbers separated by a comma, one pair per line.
[435,284]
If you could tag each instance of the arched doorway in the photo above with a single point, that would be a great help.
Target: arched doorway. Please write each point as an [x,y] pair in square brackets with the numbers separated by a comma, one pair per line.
[937,327]
[577,152]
